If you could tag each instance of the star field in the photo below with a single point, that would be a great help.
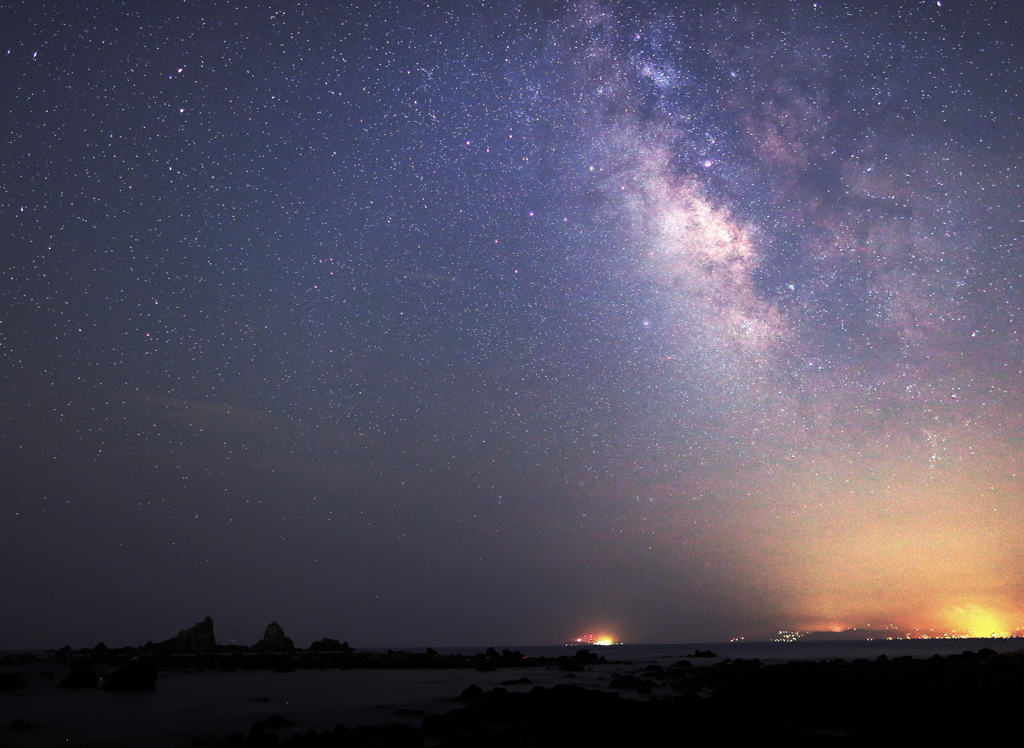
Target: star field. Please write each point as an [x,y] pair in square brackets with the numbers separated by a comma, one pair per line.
[443,323]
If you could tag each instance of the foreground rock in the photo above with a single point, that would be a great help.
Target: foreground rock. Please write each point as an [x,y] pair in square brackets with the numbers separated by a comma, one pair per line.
[967,699]
[12,682]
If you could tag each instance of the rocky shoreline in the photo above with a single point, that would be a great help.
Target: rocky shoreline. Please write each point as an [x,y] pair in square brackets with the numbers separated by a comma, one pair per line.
[742,702]
[697,700]
[196,649]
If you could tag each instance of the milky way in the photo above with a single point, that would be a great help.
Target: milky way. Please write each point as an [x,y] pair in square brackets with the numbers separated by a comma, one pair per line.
[813,255]
[420,324]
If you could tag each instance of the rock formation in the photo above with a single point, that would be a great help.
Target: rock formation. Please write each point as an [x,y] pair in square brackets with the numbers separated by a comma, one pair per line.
[274,640]
[199,638]
[329,645]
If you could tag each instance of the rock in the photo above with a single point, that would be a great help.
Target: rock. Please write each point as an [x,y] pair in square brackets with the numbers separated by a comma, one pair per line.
[472,692]
[258,736]
[389,735]
[198,637]
[133,677]
[276,722]
[329,645]
[100,653]
[12,682]
[274,640]
[585,655]
[410,713]
[702,653]
[79,677]
[524,681]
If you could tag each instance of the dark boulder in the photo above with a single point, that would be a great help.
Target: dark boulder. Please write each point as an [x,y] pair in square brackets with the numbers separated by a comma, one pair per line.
[133,677]
[79,677]
[387,736]
[274,640]
[12,682]
[472,692]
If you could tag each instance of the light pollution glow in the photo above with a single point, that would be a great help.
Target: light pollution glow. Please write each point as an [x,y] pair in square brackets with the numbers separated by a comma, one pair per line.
[861,495]
[600,640]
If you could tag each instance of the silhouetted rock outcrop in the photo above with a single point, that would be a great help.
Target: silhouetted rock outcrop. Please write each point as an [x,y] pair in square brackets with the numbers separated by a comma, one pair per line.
[274,640]
[199,638]
[702,653]
[329,645]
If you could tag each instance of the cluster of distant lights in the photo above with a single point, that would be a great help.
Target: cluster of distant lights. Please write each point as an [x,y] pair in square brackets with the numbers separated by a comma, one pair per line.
[599,640]
[792,636]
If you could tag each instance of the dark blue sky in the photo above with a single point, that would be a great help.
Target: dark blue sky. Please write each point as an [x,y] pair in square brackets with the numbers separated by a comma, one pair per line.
[442,323]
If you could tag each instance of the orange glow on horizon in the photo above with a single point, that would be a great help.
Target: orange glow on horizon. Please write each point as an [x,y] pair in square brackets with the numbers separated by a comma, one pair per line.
[918,549]
[600,640]
[979,622]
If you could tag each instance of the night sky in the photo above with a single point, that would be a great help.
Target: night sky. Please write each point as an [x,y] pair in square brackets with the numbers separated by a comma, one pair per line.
[436,323]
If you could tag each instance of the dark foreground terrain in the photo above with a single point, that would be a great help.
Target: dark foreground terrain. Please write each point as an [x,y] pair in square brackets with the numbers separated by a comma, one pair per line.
[969,697]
